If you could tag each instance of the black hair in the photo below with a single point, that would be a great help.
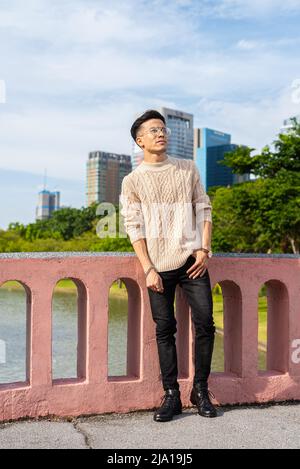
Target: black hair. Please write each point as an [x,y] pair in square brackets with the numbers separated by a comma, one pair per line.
[150,114]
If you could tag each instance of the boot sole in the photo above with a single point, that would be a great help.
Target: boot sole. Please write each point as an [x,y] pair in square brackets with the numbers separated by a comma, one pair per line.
[177,412]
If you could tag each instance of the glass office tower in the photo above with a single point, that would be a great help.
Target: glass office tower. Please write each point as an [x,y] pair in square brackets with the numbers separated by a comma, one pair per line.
[210,147]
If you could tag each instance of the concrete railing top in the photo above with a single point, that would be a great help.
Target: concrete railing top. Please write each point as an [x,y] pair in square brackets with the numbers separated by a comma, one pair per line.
[47,255]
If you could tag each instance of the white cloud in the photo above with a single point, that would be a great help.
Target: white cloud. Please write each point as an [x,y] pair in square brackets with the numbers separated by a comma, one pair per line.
[271,46]
[255,124]
[60,139]
[238,9]
[243,44]
[97,23]
[78,72]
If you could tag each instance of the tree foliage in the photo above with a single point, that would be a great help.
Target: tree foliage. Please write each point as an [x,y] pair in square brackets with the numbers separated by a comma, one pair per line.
[261,215]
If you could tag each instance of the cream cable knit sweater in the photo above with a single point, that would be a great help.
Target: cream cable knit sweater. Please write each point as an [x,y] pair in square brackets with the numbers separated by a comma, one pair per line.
[166,204]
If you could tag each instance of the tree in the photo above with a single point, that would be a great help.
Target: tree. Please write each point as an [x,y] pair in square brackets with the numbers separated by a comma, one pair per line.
[263,214]
[269,163]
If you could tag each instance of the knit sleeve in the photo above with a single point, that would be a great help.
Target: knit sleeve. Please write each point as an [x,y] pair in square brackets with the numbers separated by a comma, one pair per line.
[131,210]
[201,202]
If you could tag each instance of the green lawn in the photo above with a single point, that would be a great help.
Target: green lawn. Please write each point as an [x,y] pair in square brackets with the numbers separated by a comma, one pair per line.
[262,314]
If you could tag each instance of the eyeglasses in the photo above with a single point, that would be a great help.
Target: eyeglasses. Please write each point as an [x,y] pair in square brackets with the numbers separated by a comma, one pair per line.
[155,131]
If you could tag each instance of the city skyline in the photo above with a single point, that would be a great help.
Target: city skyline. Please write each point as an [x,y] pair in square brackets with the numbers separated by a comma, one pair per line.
[78,198]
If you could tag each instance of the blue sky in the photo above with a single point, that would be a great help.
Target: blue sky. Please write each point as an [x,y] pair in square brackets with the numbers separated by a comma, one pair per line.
[78,72]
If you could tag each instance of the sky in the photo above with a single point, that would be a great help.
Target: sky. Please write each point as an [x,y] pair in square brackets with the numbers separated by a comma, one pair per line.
[77,73]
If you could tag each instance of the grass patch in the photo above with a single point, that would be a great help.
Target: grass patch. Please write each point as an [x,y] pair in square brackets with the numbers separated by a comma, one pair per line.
[262,315]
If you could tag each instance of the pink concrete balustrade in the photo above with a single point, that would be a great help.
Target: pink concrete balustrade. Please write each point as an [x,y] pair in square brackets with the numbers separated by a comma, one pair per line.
[94,392]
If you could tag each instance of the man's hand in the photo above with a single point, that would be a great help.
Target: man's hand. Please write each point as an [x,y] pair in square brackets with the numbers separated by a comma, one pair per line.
[199,267]
[154,281]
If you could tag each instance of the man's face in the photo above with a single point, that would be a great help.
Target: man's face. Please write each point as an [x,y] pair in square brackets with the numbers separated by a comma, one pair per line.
[147,140]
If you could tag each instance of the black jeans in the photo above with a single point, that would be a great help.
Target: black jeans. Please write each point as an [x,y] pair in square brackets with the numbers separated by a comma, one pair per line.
[199,296]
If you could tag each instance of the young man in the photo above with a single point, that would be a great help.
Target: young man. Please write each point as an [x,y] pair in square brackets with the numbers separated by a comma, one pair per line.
[166,246]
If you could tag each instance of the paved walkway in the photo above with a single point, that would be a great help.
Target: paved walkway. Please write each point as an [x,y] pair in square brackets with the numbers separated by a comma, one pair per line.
[275,426]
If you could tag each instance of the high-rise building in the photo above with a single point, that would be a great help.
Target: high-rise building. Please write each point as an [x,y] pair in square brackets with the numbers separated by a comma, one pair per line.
[181,140]
[105,173]
[48,202]
[210,147]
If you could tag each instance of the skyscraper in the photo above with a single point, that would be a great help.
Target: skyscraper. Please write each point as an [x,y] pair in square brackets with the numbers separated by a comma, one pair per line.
[105,172]
[47,203]
[210,147]
[181,140]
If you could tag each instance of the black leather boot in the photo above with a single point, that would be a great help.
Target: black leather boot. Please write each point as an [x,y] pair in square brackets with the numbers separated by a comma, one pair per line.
[200,396]
[171,405]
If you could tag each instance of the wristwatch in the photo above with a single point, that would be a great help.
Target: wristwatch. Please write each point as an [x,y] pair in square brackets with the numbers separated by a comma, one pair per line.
[208,252]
